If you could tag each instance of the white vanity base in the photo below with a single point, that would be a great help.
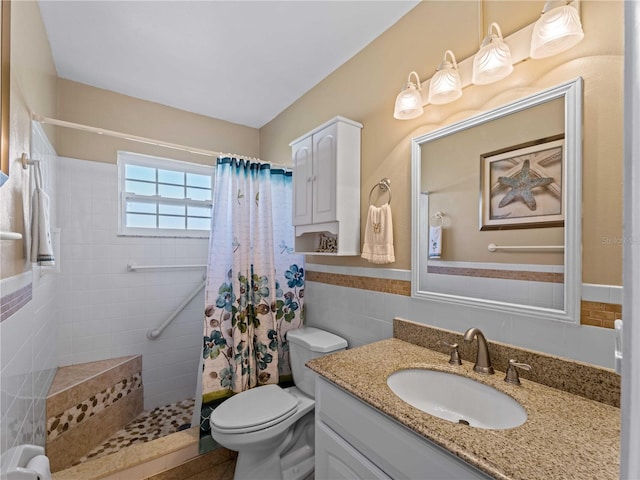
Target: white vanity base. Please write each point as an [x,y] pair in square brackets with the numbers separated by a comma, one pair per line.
[355,441]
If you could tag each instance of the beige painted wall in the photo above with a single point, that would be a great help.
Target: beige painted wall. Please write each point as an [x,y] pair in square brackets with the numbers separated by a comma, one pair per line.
[33,88]
[96,107]
[364,89]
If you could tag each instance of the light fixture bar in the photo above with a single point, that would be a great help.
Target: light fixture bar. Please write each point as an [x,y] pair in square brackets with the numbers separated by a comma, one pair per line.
[519,43]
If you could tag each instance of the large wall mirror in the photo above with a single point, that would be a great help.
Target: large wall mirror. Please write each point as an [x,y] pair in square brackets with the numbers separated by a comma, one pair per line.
[496,208]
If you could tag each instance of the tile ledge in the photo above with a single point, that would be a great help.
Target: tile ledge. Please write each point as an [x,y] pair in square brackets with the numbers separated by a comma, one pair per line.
[130,457]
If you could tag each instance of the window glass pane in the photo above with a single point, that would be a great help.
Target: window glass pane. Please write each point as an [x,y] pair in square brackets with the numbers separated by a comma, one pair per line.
[198,223]
[198,194]
[171,222]
[169,209]
[141,207]
[195,180]
[141,221]
[187,192]
[199,211]
[140,188]
[136,172]
[170,191]
[171,176]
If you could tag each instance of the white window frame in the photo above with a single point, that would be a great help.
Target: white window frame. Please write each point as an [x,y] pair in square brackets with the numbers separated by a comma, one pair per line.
[130,158]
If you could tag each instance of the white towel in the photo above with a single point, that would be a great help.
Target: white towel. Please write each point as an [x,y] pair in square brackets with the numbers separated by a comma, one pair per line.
[435,241]
[378,235]
[41,247]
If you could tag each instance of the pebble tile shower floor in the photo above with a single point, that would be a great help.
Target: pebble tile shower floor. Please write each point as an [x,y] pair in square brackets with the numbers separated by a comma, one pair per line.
[145,427]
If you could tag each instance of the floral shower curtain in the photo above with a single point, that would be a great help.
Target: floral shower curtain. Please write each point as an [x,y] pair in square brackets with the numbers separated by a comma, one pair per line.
[255,283]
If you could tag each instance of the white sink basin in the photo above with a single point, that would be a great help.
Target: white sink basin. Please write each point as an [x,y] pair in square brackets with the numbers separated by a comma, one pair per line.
[457,399]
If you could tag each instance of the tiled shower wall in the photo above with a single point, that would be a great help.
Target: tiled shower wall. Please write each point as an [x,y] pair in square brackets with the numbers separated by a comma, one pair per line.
[104,310]
[27,354]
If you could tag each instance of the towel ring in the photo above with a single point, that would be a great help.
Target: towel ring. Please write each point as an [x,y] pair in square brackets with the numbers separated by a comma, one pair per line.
[437,216]
[385,186]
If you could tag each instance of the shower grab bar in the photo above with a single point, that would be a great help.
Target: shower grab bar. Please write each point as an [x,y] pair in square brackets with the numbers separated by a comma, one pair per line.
[10,235]
[493,247]
[155,332]
[132,267]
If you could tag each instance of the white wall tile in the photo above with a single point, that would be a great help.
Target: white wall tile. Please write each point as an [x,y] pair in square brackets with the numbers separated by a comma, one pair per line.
[328,307]
[112,309]
[596,293]
[28,338]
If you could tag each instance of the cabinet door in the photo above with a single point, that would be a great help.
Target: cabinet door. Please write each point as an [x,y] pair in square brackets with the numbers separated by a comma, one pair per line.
[337,460]
[302,182]
[324,174]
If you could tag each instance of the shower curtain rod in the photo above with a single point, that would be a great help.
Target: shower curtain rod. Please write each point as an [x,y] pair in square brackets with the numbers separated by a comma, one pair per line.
[150,141]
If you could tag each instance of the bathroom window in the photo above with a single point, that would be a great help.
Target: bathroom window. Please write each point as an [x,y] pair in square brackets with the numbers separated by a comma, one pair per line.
[160,197]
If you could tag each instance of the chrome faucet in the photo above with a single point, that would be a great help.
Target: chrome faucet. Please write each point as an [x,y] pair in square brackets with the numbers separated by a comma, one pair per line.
[483,361]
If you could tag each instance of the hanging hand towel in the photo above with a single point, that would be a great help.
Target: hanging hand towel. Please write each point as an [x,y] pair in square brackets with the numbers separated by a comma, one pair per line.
[378,235]
[435,241]
[41,247]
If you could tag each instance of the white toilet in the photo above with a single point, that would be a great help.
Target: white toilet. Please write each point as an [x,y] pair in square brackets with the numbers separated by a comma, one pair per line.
[272,428]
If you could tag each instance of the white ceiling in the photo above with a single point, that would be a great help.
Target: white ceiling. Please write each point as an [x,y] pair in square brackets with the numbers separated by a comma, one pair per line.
[240,61]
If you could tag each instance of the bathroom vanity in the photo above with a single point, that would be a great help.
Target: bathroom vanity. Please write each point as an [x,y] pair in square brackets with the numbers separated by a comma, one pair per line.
[354,440]
[363,430]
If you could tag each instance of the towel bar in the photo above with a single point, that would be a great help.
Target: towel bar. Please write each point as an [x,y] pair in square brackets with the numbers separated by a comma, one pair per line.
[493,247]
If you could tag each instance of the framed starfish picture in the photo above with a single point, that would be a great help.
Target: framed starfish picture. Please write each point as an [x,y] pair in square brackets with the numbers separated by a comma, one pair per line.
[522,186]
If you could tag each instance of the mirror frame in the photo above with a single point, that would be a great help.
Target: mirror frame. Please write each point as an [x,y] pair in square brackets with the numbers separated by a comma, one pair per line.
[572,192]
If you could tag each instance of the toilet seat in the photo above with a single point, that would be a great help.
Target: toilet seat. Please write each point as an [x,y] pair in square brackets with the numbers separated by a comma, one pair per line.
[253,410]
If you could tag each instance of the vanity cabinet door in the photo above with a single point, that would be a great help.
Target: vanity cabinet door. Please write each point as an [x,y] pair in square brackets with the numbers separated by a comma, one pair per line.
[337,460]
[393,448]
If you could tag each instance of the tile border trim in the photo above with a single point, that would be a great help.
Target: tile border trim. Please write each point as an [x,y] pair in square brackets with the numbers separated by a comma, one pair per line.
[65,421]
[16,292]
[398,287]
[550,277]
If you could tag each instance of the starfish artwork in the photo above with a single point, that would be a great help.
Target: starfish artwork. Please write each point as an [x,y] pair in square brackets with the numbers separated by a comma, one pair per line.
[521,185]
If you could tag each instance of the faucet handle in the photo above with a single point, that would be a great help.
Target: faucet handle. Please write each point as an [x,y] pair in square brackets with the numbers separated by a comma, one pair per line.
[512,372]
[454,354]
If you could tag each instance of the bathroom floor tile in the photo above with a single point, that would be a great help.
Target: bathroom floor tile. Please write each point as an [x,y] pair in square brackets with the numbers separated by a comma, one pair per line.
[147,426]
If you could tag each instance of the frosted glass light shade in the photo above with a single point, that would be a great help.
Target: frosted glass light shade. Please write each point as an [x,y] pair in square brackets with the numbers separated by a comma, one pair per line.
[557,30]
[409,101]
[445,85]
[493,60]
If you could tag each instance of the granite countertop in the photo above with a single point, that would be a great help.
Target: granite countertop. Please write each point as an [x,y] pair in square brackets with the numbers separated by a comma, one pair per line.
[565,436]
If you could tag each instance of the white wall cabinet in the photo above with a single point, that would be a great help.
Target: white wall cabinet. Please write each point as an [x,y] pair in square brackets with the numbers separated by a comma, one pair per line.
[356,441]
[326,188]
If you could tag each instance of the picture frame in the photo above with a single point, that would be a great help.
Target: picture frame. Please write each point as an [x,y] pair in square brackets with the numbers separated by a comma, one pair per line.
[522,186]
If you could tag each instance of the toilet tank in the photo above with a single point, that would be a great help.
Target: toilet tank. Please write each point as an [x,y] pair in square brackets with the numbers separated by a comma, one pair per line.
[305,344]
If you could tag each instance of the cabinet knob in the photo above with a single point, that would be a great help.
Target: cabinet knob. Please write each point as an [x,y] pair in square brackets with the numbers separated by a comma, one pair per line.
[309,179]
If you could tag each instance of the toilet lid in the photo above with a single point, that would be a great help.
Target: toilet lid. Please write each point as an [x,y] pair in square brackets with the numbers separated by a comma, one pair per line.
[254,409]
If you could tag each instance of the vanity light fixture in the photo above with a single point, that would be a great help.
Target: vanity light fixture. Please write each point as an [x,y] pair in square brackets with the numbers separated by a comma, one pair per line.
[409,100]
[493,60]
[445,86]
[558,29]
